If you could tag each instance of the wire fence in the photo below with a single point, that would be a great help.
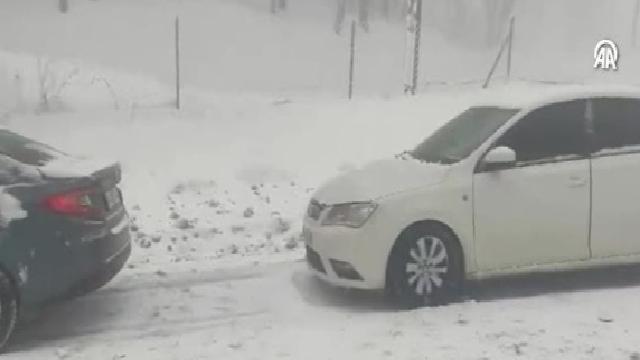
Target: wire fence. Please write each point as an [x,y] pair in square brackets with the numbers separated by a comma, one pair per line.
[291,49]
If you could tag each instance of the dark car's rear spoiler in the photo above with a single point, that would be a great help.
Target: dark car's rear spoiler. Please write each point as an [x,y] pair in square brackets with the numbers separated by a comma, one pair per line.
[107,173]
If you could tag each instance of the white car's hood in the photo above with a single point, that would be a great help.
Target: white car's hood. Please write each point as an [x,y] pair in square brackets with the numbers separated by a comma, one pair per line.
[378,179]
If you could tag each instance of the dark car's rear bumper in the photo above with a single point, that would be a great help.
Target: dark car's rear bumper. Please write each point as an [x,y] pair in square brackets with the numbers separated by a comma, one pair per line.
[76,266]
[102,275]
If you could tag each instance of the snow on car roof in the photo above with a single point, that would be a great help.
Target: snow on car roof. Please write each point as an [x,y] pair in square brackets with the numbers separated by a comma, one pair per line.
[521,96]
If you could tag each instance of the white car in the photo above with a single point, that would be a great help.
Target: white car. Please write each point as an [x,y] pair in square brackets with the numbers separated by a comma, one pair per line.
[545,185]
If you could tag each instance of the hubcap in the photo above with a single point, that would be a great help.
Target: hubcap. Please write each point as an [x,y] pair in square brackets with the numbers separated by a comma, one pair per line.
[427,265]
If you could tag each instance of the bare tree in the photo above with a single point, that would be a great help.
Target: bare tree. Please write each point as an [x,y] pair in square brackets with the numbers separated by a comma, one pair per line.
[341,12]
[384,9]
[63,6]
[361,6]
[364,7]
[278,5]
[497,16]
[474,22]
[51,83]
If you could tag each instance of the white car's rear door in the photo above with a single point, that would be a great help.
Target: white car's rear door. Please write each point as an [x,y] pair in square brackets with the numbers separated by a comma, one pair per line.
[616,177]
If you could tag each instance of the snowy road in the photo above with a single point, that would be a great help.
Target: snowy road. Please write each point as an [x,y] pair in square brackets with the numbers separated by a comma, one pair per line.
[279,311]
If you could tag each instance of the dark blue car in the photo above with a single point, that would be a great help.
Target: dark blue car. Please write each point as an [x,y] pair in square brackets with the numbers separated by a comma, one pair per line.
[64,230]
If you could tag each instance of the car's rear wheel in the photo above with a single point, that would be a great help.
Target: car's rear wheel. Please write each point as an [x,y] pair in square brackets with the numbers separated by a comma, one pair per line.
[8,309]
[425,267]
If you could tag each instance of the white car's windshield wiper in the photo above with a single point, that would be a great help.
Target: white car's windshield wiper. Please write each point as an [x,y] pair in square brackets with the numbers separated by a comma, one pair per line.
[405,155]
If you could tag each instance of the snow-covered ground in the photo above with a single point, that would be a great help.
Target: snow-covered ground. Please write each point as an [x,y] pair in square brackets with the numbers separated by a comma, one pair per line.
[279,311]
[217,190]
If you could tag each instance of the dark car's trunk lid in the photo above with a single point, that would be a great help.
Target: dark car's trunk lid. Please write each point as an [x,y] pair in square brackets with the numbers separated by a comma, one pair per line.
[50,173]
[100,177]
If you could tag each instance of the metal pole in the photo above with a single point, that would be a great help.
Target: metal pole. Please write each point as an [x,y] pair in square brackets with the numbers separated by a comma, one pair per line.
[634,23]
[177,62]
[510,46]
[416,48]
[352,55]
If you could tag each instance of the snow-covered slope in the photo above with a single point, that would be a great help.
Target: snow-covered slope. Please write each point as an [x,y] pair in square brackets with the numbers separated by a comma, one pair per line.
[238,47]
[225,46]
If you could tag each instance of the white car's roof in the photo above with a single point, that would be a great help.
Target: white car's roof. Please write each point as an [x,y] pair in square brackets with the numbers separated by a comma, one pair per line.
[521,97]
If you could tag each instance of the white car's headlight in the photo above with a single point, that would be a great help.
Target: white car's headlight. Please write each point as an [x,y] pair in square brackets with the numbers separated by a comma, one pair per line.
[350,214]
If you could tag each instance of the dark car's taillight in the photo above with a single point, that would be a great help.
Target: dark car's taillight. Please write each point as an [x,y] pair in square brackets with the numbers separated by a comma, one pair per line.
[72,203]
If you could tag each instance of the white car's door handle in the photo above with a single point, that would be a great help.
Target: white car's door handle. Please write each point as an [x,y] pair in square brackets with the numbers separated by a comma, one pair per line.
[577,181]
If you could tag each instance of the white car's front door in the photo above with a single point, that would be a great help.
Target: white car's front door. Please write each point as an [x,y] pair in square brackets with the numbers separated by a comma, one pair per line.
[536,211]
[615,228]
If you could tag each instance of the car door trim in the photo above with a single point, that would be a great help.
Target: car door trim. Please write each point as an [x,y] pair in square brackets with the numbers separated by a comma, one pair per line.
[525,164]
[616,152]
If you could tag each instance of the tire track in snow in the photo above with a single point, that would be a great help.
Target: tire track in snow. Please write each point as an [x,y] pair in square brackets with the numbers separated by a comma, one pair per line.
[148,305]
[163,328]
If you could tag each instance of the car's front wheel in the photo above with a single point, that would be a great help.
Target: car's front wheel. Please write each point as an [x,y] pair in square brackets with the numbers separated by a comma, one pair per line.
[425,267]
[8,309]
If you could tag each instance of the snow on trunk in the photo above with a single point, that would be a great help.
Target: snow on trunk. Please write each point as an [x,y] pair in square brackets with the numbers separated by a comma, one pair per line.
[10,209]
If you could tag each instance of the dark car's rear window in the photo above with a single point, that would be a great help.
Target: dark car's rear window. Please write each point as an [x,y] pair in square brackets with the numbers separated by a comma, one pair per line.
[25,150]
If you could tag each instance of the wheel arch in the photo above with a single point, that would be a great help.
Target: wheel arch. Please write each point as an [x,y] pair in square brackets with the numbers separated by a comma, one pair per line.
[12,279]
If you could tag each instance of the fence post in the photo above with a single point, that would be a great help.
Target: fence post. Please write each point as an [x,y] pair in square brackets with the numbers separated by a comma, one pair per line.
[634,23]
[412,50]
[506,42]
[177,44]
[510,46]
[416,49]
[352,56]
[495,64]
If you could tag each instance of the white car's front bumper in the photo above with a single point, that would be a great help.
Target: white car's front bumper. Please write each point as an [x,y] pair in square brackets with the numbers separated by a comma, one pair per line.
[346,257]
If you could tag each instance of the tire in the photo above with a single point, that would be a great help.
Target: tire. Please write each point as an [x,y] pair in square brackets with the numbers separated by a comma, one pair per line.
[8,309]
[425,267]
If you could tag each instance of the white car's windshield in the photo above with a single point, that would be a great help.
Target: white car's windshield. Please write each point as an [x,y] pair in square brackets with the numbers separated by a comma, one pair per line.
[460,136]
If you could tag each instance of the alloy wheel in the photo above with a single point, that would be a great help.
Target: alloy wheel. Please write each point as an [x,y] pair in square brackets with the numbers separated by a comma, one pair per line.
[427,265]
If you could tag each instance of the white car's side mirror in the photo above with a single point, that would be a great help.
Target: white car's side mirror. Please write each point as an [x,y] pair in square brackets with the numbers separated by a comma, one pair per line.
[499,158]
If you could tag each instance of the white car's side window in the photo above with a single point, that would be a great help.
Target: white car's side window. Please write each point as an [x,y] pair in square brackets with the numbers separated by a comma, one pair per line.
[616,125]
[553,132]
